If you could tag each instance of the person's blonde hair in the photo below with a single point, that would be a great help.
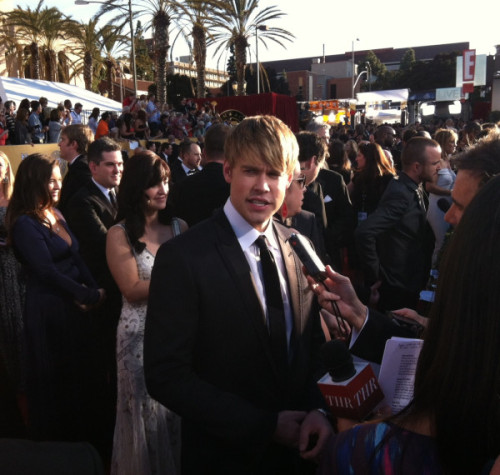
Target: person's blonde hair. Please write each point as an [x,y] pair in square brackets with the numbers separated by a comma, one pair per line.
[442,136]
[263,138]
[8,185]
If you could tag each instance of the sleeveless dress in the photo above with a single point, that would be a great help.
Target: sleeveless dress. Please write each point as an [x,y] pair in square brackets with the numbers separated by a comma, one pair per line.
[147,434]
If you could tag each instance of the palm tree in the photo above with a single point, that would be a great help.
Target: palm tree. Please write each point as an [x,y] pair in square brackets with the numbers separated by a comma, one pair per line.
[39,28]
[26,26]
[95,48]
[55,27]
[200,17]
[238,23]
[161,13]
[87,48]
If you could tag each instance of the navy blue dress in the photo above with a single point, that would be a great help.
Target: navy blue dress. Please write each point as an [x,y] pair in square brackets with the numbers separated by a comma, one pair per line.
[59,367]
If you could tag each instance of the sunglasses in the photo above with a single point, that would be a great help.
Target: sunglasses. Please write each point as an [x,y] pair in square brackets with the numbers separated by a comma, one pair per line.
[301,180]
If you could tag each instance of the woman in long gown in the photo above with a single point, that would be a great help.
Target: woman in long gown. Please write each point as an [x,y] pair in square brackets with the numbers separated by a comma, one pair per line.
[11,287]
[59,288]
[147,435]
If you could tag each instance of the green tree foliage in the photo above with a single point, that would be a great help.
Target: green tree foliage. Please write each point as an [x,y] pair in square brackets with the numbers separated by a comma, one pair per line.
[414,75]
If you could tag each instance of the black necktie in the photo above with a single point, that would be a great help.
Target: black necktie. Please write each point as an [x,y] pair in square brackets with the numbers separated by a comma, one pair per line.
[192,172]
[274,304]
[112,198]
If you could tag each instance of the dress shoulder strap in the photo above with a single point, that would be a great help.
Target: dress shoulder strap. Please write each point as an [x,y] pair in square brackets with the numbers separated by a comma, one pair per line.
[122,225]
[176,226]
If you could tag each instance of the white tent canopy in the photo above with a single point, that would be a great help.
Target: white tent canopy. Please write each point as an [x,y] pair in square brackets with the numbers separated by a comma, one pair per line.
[17,89]
[394,95]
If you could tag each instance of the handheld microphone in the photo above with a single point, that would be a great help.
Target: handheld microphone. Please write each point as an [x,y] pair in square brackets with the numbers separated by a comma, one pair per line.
[351,390]
[443,204]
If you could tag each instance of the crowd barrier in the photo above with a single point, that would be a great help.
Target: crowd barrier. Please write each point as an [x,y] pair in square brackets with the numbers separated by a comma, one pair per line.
[17,152]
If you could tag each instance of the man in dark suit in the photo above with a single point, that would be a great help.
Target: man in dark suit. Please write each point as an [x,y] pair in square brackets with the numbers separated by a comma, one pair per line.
[90,213]
[196,198]
[188,162]
[390,240]
[73,145]
[166,152]
[326,196]
[218,350]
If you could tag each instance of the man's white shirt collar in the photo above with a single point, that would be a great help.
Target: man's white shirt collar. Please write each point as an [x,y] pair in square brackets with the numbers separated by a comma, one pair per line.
[245,232]
[105,191]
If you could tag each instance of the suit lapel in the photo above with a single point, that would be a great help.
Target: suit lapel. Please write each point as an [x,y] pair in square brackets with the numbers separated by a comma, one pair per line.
[293,270]
[106,204]
[237,266]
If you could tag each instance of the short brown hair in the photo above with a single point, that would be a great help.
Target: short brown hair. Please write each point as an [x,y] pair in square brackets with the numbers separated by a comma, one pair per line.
[310,145]
[79,133]
[414,150]
[99,146]
[265,138]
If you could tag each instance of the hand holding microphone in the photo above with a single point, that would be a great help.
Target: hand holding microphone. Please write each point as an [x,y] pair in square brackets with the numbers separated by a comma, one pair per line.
[338,288]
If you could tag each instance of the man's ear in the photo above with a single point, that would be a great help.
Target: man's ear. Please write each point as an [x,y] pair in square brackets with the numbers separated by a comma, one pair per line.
[92,166]
[228,171]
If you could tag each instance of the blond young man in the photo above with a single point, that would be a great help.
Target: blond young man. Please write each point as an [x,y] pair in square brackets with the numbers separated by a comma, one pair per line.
[211,329]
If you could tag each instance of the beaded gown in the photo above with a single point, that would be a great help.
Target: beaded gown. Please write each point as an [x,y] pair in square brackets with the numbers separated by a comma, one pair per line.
[147,435]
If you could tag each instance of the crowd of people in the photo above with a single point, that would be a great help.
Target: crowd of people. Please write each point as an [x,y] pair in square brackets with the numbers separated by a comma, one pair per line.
[142,118]
[151,303]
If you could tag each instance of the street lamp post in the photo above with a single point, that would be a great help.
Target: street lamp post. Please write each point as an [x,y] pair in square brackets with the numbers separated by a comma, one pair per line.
[352,79]
[134,69]
[257,28]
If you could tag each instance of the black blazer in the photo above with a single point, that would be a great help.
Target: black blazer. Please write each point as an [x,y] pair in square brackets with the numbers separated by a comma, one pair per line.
[77,176]
[177,173]
[197,197]
[338,208]
[379,328]
[207,354]
[305,223]
[390,241]
[90,214]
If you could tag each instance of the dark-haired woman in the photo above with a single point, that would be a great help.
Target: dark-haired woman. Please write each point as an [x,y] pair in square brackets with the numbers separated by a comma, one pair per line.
[373,173]
[94,119]
[126,127]
[452,425]
[146,439]
[58,287]
[22,135]
[338,160]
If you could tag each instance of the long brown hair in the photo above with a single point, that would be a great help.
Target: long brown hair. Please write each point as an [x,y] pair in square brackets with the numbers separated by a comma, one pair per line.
[377,163]
[31,194]
[141,171]
[457,382]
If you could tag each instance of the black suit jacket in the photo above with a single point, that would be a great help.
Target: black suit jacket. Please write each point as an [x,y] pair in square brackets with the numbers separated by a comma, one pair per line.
[77,176]
[197,197]
[390,241]
[305,223]
[207,354]
[379,328]
[177,172]
[90,215]
[338,208]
